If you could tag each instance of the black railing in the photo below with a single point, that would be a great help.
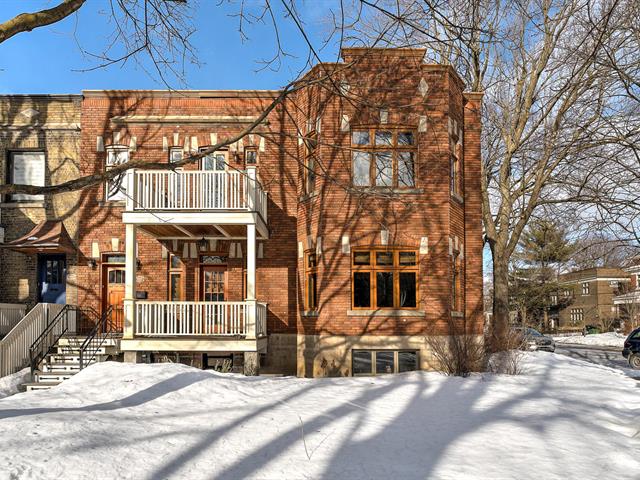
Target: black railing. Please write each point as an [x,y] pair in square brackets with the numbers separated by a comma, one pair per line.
[63,322]
[103,330]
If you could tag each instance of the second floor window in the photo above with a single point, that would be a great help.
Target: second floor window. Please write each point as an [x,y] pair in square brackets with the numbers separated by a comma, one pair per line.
[175,278]
[383,158]
[116,187]
[311,146]
[384,279]
[27,168]
[577,316]
[585,288]
[176,154]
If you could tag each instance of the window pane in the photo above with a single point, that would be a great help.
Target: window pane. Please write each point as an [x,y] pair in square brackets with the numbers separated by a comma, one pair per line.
[384,138]
[407,361]
[117,157]
[175,155]
[312,291]
[175,287]
[384,362]
[360,137]
[251,156]
[312,260]
[408,289]
[405,138]
[361,362]
[384,258]
[175,261]
[361,258]
[361,169]
[361,289]
[406,176]
[27,168]
[116,188]
[407,258]
[384,289]
[384,169]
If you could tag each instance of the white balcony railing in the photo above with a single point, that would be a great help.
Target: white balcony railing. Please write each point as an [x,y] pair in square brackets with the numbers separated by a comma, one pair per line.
[172,319]
[195,190]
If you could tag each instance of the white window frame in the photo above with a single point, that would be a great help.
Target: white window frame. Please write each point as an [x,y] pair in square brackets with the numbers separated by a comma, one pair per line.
[39,181]
[585,288]
[173,151]
[113,159]
[224,153]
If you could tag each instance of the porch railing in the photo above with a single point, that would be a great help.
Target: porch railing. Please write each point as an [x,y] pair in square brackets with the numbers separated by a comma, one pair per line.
[171,319]
[195,190]
[10,315]
[14,348]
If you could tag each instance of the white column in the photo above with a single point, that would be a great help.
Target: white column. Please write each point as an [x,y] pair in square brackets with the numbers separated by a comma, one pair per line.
[251,281]
[129,281]
[251,188]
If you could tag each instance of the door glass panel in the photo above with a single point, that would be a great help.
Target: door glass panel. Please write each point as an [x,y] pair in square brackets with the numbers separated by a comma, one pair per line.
[175,287]
[213,288]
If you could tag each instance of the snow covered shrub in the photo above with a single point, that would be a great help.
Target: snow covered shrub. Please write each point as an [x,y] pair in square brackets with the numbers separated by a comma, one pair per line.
[508,357]
[459,353]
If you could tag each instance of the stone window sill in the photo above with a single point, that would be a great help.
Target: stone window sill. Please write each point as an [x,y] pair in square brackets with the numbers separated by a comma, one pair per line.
[457,314]
[22,205]
[386,313]
[113,203]
[310,313]
[407,191]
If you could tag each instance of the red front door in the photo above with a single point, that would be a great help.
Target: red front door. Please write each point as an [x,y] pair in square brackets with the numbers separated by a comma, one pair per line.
[114,294]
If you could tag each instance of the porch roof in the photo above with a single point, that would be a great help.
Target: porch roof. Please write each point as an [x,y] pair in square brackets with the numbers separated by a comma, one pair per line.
[48,236]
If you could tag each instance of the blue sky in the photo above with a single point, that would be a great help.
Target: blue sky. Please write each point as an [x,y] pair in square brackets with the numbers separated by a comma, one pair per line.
[46,60]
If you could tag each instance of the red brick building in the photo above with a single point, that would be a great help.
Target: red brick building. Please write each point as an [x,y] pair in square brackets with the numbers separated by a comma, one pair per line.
[332,240]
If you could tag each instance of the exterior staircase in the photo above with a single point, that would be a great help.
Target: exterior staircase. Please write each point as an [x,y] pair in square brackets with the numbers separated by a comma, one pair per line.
[64,360]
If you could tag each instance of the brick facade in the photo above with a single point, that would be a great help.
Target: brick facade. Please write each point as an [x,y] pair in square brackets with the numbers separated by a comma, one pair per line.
[384,89]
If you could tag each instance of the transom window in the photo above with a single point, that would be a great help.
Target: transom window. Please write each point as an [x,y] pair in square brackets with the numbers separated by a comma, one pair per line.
[384,279]
[383,158]
[116,187]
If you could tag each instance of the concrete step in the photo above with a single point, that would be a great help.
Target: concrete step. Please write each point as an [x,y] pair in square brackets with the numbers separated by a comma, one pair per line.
[68,350]
[31,386]
[78,341]
[70,358]
[60,367]
[53,376]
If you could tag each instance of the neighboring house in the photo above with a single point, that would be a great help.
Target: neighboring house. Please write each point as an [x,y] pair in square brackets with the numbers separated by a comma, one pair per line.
[331,241]
[628,300]
[590,293]
[39,145]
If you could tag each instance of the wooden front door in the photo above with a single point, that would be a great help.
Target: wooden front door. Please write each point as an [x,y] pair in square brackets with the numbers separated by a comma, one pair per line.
[212,283]
[114,294]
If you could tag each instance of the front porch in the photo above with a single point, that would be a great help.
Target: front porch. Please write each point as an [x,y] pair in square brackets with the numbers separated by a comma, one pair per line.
[198,209]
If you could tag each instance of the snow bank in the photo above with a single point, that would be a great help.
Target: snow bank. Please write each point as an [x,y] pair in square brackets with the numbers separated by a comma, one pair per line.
[610,339]
[116,421]
[9,385]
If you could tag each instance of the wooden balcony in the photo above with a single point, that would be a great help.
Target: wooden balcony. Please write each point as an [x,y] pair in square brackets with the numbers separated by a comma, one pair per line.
[198,326]
[196,197]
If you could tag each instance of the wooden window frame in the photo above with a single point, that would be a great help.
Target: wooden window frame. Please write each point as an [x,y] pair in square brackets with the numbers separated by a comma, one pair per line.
[395,149]
[308,271]
[309,166]
[374,268]
[172,271]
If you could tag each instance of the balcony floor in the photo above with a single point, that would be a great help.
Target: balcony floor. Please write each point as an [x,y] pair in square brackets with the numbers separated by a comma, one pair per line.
[194,344]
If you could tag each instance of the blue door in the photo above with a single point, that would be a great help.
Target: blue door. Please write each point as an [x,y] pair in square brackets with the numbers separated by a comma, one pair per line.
[52,275]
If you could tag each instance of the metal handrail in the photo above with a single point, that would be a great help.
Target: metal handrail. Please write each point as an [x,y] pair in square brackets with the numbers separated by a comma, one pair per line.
[102,330]
[47,340]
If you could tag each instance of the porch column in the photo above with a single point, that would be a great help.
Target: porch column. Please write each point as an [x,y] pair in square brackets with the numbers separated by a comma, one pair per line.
[251,282]
[251,188]
[129,281]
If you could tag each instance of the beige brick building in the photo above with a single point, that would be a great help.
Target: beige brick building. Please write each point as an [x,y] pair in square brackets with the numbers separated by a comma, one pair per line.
[39,141]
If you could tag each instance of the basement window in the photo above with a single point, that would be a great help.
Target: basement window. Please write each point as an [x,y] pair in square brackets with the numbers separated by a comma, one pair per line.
[381,362]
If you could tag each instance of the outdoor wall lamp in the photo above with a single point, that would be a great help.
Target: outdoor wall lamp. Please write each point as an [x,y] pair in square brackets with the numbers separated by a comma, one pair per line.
[92,263]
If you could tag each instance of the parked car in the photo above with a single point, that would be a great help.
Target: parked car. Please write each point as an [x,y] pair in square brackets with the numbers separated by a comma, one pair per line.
[631,349]
[534,340]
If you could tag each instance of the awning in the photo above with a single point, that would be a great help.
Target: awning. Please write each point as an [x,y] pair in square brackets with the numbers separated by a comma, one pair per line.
[49,236]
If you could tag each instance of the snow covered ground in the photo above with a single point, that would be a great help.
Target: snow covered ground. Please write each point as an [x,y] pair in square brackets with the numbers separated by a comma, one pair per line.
[9,384]
[610,339]
[563,419]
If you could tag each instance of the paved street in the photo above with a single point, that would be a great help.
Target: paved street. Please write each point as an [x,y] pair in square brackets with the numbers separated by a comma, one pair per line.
[603,356]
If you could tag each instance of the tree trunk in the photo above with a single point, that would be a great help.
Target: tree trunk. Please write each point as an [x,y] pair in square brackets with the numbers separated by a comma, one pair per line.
[500,325]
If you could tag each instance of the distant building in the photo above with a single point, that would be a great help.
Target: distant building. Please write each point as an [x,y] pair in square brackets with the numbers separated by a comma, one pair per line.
[591,292]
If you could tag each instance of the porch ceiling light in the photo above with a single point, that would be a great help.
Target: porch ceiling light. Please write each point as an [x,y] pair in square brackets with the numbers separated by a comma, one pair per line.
[202,244]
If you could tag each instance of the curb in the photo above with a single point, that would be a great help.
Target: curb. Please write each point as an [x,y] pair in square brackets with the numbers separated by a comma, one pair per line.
[589,347]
